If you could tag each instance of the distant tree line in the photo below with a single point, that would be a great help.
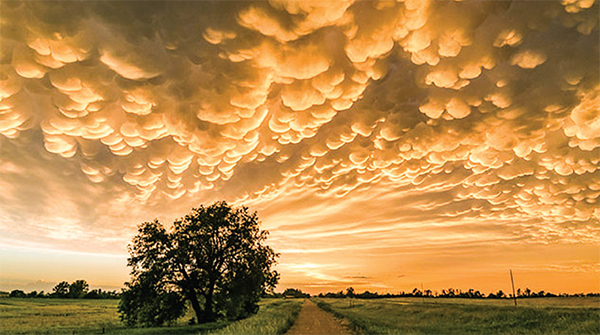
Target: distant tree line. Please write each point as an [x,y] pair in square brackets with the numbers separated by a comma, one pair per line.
[450,293]
[78,289]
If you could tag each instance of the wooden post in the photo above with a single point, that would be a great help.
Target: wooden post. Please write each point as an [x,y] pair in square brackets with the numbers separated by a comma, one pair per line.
[513,287]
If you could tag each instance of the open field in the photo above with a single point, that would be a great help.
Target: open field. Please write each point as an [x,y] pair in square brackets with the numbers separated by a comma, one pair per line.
[20,316]
[67,316]
[468,316]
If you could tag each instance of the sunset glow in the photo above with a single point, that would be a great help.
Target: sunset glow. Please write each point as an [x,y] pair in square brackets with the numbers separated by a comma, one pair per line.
[384,144]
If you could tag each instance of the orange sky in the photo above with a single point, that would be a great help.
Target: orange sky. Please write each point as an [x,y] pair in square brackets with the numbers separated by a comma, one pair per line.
[384,144]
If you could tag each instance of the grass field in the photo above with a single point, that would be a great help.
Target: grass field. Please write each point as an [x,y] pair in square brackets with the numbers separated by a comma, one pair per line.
[49,316]
[381,316]
[468,316]
[66,316]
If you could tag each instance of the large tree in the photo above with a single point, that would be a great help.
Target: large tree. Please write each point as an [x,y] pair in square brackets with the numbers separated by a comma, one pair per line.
[215,257]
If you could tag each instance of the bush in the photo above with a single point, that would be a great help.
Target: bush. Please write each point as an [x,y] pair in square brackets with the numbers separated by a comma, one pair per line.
[17,294]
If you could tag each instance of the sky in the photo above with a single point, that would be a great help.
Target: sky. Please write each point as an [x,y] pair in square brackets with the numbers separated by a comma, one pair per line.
[385,145]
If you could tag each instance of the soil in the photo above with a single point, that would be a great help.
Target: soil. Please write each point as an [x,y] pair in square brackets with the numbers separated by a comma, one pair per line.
[315,321]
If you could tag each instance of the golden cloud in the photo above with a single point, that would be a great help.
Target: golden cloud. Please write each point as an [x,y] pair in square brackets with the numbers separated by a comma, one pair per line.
[494,102]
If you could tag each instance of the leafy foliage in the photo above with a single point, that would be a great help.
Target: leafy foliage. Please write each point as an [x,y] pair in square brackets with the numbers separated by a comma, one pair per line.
[61,290]
[17,294]
[149,303]
[78,289]
[214,257]
[295,293]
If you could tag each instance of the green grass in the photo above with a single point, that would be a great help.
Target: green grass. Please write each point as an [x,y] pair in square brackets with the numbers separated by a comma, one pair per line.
[468,316]
[66,316]
[274,318]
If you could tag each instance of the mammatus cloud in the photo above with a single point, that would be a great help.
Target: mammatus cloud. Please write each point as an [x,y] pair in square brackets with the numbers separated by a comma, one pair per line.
[445,111]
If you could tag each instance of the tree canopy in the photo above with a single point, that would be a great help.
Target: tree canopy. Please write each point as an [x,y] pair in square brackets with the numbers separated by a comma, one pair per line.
[78,289]
[215,257]
[61,289]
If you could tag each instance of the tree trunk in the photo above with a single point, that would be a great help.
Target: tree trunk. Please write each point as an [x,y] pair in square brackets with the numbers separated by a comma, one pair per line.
[209,314]
[196,306]
[208,307]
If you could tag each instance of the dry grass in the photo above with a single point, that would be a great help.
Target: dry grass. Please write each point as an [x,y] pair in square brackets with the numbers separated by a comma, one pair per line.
[468,316]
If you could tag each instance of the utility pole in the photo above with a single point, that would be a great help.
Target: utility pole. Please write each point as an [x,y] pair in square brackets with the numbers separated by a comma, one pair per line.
[513,286]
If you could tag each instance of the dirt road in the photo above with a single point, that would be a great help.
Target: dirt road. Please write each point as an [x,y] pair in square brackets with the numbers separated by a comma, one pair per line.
[315,321]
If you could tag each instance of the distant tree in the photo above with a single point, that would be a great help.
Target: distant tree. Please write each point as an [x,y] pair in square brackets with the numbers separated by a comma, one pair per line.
[214,257]
[272,295]
[17,294]
[78,289]
[94,294]
[334,295]
[100,294]
[367,295]
[350,292]
[61,290]
[295,293]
